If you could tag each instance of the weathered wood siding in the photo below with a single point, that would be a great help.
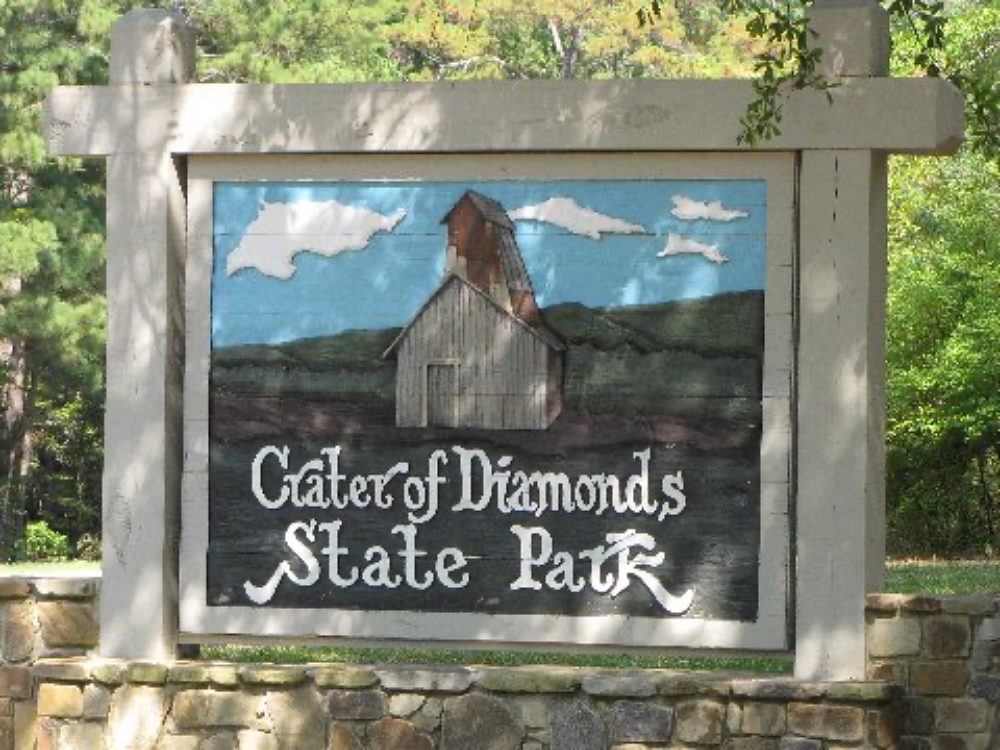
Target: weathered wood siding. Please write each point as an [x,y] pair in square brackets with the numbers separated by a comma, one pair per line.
[553,387]
[442,395]
[505,373]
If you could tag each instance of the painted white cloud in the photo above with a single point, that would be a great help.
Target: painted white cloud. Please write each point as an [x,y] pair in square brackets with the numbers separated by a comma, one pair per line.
[688,209]
[678,245]
[283,230]
[570,215]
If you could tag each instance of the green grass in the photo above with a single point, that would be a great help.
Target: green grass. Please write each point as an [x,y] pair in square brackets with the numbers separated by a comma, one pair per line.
[69,567]
[943,577]
[312,655]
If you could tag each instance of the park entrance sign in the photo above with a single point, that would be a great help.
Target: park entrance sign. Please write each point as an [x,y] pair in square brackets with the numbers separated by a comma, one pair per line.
[497,397]
[551,364]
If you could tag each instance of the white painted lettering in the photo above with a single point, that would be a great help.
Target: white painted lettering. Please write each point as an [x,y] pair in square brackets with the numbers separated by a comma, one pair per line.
[585,494]
[554,491]
[334,552]
[444,568]
[378,574]
[466,458]
[561,576]
[359,491]
[255,478]
[637,487]
[410,553]
[673,488]
[302,552]
[530,560]
[380,482]
[311,475]
[334,477]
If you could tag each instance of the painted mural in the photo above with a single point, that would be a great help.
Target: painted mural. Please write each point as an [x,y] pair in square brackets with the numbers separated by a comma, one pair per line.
[493,397]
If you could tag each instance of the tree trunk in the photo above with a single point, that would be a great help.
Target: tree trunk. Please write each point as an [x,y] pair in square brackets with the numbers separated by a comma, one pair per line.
[572,49]
[982,457]
[17,444]
[567,49]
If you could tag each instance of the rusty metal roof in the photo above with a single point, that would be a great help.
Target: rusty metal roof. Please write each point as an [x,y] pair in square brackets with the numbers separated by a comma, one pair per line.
[491,210]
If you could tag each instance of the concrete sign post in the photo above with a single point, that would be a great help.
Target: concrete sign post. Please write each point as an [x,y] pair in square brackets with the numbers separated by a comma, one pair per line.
[554,364]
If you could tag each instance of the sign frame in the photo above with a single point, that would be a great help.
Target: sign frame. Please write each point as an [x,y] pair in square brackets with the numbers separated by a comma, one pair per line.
[769,632]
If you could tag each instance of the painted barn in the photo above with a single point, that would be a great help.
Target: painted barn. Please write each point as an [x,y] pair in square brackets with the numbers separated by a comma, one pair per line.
[478,352]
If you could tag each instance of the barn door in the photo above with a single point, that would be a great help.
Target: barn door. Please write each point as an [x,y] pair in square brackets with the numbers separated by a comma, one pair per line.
[442,395]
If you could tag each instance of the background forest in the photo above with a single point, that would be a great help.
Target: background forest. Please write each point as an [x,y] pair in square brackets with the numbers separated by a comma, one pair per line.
[944,242]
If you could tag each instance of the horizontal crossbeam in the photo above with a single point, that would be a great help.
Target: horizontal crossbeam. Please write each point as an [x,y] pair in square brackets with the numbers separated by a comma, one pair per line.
[882,114]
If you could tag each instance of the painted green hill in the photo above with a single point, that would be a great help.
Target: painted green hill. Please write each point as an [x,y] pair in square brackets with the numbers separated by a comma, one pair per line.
[729,324]
[689,358]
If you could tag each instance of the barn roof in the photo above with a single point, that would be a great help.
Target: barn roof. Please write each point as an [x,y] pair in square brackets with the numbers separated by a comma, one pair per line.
[511,261]
[546,335]
[514,269]
[491,210]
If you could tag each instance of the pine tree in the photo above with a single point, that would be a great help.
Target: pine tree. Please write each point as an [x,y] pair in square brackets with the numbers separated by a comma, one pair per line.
[51,244]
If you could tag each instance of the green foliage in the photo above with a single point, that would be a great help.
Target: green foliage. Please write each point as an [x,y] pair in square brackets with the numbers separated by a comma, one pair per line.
[23,239]
[788,59]
[964,47]
[88,547]
[943,317]
[338,41]
[51,262]
[944,354]
[566,39]
[944,468]
[304,41]
[43,544]
[68,463]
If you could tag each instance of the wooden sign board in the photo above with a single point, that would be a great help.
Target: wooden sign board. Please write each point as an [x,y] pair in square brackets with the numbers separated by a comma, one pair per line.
[483,398]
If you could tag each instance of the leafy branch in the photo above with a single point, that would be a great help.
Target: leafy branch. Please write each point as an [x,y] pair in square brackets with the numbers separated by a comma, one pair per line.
[791,61]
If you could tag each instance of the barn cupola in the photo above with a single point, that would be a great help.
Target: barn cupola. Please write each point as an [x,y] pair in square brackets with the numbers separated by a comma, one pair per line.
[482,250]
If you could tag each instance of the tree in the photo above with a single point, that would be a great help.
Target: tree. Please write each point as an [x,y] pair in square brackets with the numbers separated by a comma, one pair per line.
[944,354]
[51,243]
[567,39]
[296,41]
[789,58]
[944,315]
[51,211]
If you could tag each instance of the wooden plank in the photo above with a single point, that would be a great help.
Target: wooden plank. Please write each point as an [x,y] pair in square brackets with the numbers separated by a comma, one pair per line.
[609,445]
[147,239]
[896,115]
[725,576]
[840,416]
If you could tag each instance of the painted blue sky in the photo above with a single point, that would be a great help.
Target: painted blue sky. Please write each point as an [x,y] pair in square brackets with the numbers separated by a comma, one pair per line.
[385,283]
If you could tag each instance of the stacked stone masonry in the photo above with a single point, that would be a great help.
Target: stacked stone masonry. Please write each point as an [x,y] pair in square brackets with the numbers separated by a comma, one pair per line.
[47,617]
[39,618]
[102,704]
[945,654]
[934,669]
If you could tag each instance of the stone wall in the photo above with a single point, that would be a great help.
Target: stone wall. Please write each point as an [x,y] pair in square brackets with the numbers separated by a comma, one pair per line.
[945,653]
[47,617]
[39,618]
[189,705]
[933,667]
